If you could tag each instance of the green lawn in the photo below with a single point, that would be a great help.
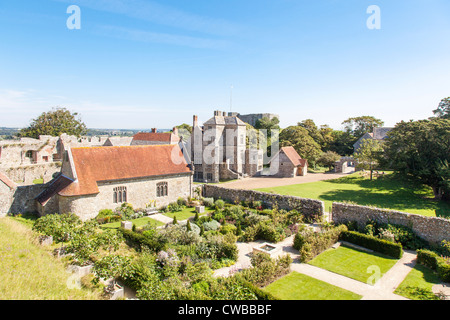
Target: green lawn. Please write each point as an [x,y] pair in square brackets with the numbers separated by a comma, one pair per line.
[29,272]
[355,264]
[297,286]
[138,222]
[389,191]
[186,213]
[418,283]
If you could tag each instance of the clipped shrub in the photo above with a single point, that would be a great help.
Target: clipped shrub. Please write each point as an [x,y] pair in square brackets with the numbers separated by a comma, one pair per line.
[391,249]
[435,262]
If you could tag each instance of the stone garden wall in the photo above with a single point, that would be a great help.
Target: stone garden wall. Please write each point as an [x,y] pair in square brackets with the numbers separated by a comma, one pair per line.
[432,229]
[308,207]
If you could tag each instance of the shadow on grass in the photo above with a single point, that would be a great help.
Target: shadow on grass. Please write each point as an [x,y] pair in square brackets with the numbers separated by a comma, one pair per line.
[400,200]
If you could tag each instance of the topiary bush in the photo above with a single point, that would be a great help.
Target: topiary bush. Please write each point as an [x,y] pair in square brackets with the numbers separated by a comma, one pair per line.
[394,250]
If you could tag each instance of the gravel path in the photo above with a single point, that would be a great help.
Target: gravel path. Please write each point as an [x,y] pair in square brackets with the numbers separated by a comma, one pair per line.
[268,182]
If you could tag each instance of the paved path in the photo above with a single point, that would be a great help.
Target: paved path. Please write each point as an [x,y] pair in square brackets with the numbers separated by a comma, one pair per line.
[382,290]
[268,182]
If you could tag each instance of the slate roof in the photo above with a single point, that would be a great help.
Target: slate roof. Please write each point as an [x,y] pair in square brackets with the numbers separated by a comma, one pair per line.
[156,136]
[224,120]
[54,186]
[98,164]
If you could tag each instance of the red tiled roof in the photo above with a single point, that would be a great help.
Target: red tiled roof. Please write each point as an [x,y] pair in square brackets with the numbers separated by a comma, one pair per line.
[293,156]
[156,136]
[7,181]
[120,163]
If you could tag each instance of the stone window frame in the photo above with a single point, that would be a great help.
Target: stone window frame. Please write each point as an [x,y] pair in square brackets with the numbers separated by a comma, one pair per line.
[162,189]
[120,194]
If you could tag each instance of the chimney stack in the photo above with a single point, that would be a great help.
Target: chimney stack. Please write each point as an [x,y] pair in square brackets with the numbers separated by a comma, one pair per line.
[195,123]
[175,131]
[153,130]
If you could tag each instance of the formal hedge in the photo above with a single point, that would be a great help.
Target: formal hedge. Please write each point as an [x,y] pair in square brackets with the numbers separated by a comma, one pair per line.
[391,249]
[435,262]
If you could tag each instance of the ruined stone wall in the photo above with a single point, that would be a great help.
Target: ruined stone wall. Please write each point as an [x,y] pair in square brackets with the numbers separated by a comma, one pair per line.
[6,198]
[23,198]
[25,175]
[432,229]
[308,207]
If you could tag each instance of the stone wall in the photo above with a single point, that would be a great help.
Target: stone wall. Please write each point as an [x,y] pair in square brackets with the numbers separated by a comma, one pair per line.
[308,207]
[23,198]
[432,229]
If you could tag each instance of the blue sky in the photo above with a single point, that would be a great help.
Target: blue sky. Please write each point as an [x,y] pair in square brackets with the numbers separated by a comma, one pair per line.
[143,64]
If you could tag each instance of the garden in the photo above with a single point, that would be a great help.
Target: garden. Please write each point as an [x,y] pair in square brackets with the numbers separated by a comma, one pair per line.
[177,258]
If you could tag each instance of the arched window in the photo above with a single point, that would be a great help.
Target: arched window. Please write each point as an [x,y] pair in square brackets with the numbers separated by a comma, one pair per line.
[162,189]
[120,194]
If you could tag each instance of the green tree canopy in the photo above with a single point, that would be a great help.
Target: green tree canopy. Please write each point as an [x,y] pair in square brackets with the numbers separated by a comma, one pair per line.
[54,123]
[368,155]
[422,149]
[443,110]
[328,159]
[358,126]
[299,138]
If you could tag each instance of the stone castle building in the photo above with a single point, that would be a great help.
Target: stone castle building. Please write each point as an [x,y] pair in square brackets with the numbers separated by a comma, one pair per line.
[219,150]
[99,178]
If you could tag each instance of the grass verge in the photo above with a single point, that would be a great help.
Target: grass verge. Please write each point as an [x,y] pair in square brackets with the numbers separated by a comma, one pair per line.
[29,272]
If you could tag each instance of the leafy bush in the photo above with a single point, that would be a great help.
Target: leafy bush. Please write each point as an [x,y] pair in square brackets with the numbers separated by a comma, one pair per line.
[228,228]
[174,207]
[141,241]
[211,225]
[125,211]
[61,227]
[310,243]
[181,201]
[219,204]
[208,202]
[382,246]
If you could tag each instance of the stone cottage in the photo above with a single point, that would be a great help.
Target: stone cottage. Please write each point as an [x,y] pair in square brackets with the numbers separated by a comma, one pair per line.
[98,178]
[287,163]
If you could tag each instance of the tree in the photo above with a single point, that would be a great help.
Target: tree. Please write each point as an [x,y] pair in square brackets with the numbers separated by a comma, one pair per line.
[443,110]
[368,154]
[54,123]
[421,149]
[264,138]
[358,126]
[299,138]
[342,142]
[328,159]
